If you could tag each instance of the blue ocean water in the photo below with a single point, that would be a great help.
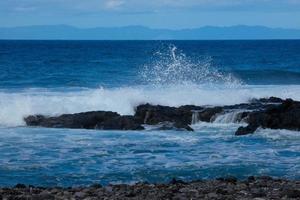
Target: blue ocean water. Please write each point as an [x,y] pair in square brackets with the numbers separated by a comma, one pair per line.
[56,77]
[117,63]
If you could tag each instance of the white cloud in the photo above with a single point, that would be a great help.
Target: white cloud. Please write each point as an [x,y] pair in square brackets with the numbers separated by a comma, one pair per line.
[113,4]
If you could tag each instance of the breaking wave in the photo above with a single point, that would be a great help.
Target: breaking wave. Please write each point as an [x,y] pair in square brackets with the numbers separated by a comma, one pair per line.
[172,79]
[172,66]
[14,106]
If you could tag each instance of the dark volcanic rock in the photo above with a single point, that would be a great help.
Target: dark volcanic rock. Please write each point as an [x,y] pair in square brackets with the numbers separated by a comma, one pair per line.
[88,120]
[283,116]
[224,188]
[207,114]
[181,117]
[152,115]
[246,130]
[120,123]
[271,113]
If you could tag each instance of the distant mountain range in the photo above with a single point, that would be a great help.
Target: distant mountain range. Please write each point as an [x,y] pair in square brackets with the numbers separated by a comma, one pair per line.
[64,32]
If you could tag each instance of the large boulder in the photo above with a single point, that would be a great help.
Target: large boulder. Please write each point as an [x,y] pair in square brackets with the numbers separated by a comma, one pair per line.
[152,115]
[86,120]
[179,118]
[246,130]
[283,116]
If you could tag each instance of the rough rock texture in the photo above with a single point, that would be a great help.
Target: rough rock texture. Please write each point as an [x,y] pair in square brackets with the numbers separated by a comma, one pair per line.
[271,113]
[152,115]
[87,120]
[169,117]
[180,117]
[224,188]
[283,116]
[120,123]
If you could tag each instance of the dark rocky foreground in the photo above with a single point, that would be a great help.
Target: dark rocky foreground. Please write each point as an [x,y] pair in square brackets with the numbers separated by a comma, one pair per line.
[271,113]
[229,188]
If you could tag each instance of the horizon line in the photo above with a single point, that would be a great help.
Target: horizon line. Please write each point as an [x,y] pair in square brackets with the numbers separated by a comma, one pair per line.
[148,27]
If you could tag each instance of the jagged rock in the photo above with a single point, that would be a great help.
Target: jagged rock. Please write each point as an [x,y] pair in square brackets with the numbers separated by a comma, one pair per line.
[207,114]
[283,116]
[223,188]
[271,113]
[179,118]
[86,120]
[152,115]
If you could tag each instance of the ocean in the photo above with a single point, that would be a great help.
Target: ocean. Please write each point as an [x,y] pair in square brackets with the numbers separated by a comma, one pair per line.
[57,77]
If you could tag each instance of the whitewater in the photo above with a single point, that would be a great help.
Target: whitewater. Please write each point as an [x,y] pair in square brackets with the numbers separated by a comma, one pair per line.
[171,78]
[58,77]
[17,105]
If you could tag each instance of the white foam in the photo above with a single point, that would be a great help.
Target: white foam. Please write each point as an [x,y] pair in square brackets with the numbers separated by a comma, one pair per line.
[279,134]
[14,106]
[229,117]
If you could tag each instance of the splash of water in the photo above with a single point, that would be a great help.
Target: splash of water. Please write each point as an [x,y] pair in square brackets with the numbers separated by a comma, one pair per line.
[230,117]
[171,67]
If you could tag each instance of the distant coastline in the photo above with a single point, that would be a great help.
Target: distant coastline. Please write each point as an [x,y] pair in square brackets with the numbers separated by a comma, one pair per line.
[65,32]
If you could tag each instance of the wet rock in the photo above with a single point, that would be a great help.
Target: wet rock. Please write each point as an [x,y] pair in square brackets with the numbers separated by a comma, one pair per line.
[79,195]
[254,188]
[270,112]
[258,192]
[283,116]
[212,195]
[230,179]
[173,117]
[207,114]
[292,193]
[246,130]
[45,195]
[86,120]
[152,115]
[120,123]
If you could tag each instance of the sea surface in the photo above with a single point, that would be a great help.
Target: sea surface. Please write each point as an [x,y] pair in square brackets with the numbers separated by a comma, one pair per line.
[56,77]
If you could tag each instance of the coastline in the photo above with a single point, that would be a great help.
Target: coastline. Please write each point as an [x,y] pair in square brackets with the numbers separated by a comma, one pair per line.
[272,113]
[262,187]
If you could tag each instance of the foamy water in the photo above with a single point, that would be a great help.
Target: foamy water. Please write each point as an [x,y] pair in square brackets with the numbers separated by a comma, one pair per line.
[62,157]
[53,78]
[17,105]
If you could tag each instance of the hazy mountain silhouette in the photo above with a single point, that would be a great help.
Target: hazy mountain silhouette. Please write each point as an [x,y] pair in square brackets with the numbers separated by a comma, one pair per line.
[63,32]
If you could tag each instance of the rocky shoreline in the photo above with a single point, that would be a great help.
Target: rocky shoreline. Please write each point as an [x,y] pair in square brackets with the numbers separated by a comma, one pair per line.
[258,188]
[273,113]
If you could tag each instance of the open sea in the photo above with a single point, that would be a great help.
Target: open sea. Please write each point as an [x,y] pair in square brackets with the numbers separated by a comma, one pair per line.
[57,77]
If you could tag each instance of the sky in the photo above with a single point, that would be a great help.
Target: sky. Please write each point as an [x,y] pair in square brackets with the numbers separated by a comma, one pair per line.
[172,14]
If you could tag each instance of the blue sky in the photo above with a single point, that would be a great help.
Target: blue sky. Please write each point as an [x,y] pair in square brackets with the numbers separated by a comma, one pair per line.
[174,14]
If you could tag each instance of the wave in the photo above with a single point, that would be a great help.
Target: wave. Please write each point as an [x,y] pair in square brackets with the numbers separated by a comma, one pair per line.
[171,66]
[171,78]
[16,105]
